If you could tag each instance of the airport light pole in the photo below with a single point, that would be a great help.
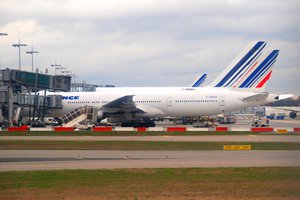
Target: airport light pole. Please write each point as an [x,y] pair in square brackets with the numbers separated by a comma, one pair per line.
[29,112]
[19,45]
[55,67]
[2,34]
[73,76]
[32,52]
[61,68]
[35,101]
[68,73]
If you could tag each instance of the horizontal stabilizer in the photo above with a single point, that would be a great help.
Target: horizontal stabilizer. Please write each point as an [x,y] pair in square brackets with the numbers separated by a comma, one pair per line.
[284,96]
[257,97]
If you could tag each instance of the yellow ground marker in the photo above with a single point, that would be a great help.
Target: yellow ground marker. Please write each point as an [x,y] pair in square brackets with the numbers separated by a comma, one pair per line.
[281,131]
[236,147]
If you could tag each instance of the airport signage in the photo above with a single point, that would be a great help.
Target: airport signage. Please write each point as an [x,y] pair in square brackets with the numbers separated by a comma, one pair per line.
[237,147]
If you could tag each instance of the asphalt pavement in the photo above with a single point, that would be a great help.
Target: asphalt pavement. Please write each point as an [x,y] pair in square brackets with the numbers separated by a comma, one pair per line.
[21,160]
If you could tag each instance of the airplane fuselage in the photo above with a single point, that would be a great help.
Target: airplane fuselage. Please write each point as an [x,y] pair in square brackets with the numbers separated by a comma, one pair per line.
[157,102]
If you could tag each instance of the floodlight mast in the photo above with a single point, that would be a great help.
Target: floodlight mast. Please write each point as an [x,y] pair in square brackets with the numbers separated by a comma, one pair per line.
[73,76]
[2,34]
[55,67]
[67,72]
[19,45]
[32,52]
[61,68]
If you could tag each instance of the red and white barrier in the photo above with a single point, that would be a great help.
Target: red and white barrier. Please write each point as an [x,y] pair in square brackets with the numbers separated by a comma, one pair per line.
[18,128]
[241,129]
[156,129]
[197,129]
[63,129]
[176,129]
[296,130]
[41,129]
[221,129]
[262,129]
[159,129]
[141,129]
[102,129]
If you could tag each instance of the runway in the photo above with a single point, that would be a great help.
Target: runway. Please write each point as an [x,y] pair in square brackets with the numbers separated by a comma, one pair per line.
[182,138]
[21,160]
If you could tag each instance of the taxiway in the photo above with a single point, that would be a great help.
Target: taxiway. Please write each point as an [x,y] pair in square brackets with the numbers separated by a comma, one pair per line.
[19,160]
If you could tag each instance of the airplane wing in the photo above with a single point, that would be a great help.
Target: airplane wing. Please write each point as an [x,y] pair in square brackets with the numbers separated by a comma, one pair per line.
[294,109]
[123,106]
[124,103]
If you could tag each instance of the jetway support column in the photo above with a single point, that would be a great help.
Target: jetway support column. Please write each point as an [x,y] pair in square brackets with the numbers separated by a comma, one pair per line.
[10,104]
[44,105]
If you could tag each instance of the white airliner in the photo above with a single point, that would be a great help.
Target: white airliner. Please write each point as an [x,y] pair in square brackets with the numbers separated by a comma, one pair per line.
[240,85]
[293,111]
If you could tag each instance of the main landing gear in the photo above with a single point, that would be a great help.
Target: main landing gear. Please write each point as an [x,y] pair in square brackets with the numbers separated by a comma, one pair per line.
[149,123]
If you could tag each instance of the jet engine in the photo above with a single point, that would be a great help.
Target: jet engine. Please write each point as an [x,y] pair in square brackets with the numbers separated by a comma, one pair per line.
[100,115]
[293,114]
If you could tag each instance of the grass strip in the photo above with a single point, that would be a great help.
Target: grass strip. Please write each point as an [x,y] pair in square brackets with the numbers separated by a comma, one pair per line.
[184,183]
[137,145]
[130,133]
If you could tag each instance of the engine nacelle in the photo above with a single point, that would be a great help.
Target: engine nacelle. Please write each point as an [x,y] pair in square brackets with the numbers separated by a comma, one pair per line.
[293,114]
[100,115]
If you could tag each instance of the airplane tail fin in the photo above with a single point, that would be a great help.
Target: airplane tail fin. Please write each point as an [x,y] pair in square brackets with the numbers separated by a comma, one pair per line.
[256,79]
[250,71]
[246,60]
[199,81]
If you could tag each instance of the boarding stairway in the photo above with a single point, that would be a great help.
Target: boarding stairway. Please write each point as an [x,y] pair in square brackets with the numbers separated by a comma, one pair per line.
[78,115]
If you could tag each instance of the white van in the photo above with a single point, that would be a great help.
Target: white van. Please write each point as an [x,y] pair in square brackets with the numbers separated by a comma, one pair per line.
[50,121]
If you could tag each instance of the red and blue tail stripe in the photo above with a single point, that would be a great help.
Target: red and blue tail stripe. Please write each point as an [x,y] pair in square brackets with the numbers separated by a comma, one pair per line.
[261,71]
[238,70]
[244,69]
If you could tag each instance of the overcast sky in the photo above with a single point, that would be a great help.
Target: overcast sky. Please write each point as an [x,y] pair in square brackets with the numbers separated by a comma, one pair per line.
[150,42]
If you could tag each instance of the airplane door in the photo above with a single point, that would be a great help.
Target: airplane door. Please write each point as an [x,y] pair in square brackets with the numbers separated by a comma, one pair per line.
[169,101]
[222,100]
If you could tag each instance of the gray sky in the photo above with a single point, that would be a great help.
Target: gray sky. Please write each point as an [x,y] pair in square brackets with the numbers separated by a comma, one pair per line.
[151,42]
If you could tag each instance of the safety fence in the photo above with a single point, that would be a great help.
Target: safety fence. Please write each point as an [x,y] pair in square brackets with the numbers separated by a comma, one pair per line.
[162,129]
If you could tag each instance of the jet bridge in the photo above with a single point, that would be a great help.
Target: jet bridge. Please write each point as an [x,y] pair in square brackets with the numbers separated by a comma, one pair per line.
[16,87]
[28,101]
[51,101]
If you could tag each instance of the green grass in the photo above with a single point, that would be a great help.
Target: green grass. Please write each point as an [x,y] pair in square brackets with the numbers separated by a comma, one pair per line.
[191,183]
[138,145]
